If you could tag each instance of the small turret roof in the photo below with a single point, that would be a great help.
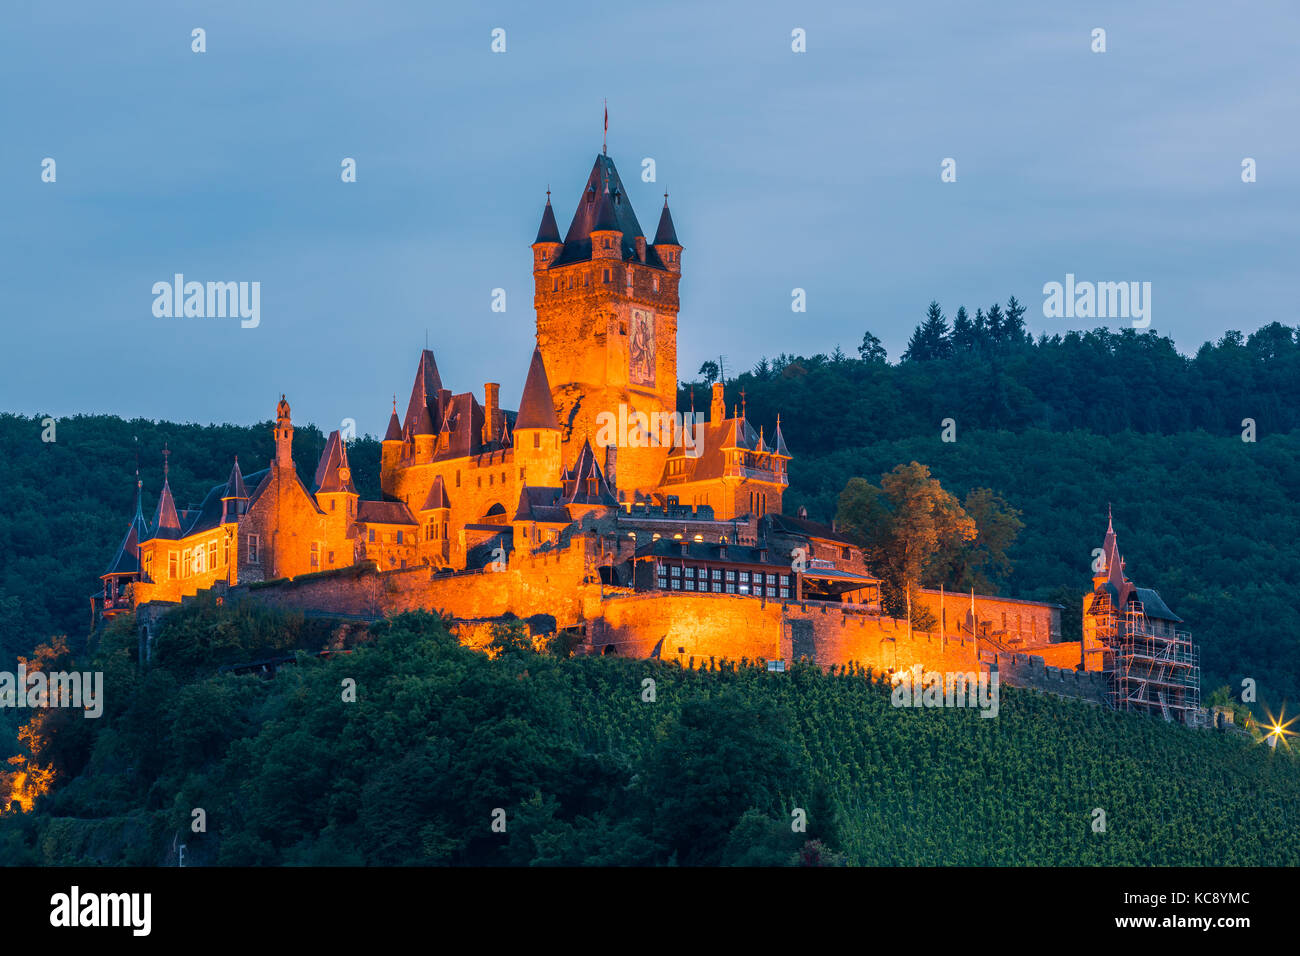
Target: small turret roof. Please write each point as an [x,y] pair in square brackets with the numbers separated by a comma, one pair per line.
[437,497]
[549,230]
[666,234]
[536,407]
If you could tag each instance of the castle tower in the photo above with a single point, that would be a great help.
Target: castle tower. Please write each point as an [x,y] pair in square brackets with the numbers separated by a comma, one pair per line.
[537,432]
[391,446]
[607,321]
[283,436]
[335,493]
[666,244]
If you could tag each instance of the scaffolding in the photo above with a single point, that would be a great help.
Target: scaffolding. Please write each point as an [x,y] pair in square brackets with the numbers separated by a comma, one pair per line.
[1153,666]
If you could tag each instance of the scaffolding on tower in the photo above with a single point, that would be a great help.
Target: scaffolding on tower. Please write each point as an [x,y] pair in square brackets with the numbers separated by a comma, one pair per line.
[1152,664]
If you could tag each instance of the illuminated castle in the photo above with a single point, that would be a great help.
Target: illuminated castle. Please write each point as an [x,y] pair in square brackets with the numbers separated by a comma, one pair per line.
[635,545]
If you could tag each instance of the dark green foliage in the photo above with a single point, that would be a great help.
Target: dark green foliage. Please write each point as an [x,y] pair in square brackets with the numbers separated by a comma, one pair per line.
[440,736]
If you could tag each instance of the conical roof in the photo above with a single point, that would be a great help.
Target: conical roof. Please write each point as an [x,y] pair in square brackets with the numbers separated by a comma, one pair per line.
[394,432]
[422,410]
[666,234]
[166,522]
[235,483]
[127,558]
[549,230]
[536,407]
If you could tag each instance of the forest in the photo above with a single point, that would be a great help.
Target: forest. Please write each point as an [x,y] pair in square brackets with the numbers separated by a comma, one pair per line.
[445,755]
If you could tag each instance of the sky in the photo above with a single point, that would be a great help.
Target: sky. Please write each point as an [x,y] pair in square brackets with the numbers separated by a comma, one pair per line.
[817,170]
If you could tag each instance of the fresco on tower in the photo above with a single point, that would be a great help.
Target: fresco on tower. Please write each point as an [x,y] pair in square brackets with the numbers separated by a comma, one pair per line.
[642,370]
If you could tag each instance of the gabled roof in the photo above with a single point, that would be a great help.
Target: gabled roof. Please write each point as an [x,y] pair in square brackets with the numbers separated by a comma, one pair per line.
[542,505]
[437,497]
[666,234]
[384,512]
[548,231]
[536,407]
[422,409]
[584,483]
[802,527]
[333,466]
[600,210]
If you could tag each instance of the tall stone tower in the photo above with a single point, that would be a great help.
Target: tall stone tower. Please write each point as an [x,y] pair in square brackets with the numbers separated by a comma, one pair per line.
[606,301]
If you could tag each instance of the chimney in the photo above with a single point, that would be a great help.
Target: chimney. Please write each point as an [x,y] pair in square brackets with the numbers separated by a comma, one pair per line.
[718,407]
[640,248]
[491,410]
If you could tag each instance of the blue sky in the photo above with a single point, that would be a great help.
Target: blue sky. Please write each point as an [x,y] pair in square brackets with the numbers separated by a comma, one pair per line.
[817,170]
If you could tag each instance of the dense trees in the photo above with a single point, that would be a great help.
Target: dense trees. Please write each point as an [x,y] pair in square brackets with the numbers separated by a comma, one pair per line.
[730,766]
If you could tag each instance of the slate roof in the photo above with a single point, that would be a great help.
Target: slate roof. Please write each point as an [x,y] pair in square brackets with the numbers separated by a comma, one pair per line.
[422,410]
[333,460]
[542,505]
[384,512]
[548,231]
[536,407]
[584,483]
[235,487]
[598,209]
[127,558]
[166,522]
[437,497]
[666,234]
[805,528]
[208,514]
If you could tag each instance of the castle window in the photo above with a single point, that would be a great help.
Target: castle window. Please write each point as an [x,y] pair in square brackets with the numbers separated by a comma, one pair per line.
[225,552]
[629,278]
[785,580]
[656,283]
[606,275]
[212,555]
[490,478]
[148,567]
[372,535]
[785,592]
[555,284]
[315,554]
[331,557]
[171,566]
[537,439]
[676,571]
[399,537]
[253,542]
[771,579]
[844,553]
[458,478]
[586,278]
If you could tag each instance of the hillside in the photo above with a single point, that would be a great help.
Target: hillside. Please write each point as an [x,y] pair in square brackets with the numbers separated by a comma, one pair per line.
[587,771]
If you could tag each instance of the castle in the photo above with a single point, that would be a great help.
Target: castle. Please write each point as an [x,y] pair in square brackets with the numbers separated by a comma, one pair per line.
[572,513]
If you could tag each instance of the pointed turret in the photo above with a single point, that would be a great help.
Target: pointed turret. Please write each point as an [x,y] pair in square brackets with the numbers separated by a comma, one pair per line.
[778,442]
[548,231]
[537,431]
[536,407]
[234,500]
[547,245]
[394,432]
[166,522]
[422,410]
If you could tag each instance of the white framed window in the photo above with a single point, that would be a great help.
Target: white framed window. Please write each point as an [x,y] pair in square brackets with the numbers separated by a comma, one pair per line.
[254,549]
[315,554]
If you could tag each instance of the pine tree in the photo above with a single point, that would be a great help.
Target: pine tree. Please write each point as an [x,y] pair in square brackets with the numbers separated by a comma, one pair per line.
[1013,321]
[996,324]
[964,338]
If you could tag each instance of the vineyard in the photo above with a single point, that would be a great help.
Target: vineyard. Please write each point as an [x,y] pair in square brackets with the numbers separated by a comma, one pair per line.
[582,761]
